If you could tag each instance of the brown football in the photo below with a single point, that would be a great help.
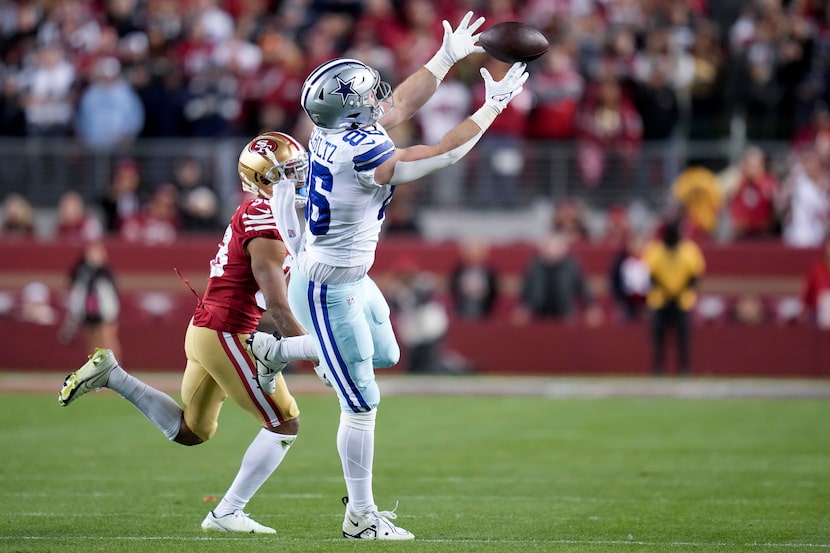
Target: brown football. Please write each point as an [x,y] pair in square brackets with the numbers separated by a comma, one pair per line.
[513,41]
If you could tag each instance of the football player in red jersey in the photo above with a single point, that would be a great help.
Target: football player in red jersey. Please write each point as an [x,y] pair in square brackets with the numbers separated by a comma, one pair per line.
[219,362]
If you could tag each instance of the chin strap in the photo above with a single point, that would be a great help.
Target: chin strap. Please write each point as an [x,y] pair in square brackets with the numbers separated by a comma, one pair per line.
[249,186]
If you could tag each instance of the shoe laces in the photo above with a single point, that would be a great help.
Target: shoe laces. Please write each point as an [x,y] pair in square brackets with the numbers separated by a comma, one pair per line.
[386,514]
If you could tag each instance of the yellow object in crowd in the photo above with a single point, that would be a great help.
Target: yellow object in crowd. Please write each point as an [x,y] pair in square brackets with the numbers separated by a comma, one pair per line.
[698,189]
[672,269]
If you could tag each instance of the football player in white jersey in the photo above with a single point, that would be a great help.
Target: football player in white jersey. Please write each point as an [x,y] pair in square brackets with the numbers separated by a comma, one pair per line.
[353,169]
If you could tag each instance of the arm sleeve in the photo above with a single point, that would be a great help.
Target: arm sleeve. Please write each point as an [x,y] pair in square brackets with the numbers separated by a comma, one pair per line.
[408,171]
[285,216]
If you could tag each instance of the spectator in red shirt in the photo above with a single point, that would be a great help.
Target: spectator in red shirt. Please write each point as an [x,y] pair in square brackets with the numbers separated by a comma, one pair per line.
[751,207]
[159,220]
[556,89]
[816,133]
[419,38]
[75,222]
[816,293]
[610,131]
[381,19]
[269,94]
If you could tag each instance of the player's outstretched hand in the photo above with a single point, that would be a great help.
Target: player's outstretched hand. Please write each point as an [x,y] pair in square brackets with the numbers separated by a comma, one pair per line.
[460,43]
[456,45]
[499,93]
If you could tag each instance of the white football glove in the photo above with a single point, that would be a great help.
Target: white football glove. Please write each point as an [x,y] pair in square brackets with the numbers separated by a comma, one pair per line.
[456,45]
[497,94]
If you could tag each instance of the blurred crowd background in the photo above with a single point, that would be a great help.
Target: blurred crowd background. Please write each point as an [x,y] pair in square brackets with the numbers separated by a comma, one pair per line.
[138,108]
[123,120]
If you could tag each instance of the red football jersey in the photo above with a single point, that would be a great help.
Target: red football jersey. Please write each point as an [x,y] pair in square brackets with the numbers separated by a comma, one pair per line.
[229,303]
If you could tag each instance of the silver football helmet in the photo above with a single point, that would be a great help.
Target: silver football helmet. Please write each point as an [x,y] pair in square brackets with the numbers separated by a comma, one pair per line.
[345,94]
[270,157]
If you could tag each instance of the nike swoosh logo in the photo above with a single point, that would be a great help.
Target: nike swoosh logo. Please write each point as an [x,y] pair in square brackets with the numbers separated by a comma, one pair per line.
[353,522]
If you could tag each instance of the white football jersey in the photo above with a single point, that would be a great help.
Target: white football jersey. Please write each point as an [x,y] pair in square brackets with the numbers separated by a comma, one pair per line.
[345,208]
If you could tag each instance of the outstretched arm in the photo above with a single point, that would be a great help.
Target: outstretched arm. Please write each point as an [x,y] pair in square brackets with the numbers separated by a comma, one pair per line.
[408,98]
[413,93]
[409,164]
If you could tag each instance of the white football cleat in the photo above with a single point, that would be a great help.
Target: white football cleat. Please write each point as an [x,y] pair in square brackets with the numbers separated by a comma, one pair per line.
[236,521]
[264,347]
[372,525]
[93,375]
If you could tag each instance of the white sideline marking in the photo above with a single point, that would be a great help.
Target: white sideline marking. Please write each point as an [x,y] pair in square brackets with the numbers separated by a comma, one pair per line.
[507,542]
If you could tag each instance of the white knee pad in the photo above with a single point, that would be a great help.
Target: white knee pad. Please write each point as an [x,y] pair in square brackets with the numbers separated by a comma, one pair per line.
[387,357]
[360,421]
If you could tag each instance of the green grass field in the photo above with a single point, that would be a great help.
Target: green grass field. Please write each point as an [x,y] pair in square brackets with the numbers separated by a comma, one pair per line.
[490,474]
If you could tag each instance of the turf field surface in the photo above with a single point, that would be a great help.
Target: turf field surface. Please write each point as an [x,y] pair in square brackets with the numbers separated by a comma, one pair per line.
[519,472]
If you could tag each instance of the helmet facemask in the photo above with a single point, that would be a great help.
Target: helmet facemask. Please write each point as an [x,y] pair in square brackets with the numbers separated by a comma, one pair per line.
[379,98]
[296,171]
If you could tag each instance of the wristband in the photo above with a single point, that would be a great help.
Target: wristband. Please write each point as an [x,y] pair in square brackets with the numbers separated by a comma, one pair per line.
[438,66]
[485,115]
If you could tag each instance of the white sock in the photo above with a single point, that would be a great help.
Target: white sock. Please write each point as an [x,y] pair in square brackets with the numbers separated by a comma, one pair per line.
[297,348]
[260,461]
[161,409]
[357,450]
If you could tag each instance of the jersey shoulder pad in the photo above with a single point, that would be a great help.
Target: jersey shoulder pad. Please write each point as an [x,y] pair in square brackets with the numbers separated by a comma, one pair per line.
[371,148]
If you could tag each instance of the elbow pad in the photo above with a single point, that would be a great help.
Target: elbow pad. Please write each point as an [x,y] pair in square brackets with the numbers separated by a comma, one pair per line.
[408,171]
